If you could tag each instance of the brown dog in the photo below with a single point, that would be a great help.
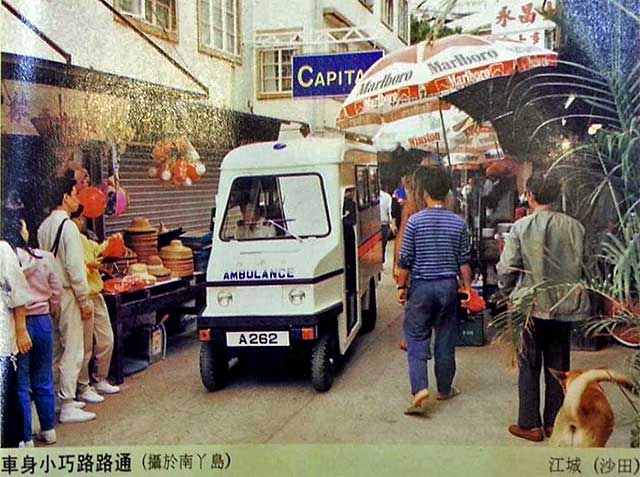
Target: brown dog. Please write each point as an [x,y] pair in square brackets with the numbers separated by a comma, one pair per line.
[585,418]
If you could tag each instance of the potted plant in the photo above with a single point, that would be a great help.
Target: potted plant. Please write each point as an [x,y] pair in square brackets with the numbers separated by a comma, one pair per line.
[602,182]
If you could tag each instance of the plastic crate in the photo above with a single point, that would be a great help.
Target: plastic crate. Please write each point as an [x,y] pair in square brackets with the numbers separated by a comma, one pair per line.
[471,330]
[201,259]
[197,240]
[147,342]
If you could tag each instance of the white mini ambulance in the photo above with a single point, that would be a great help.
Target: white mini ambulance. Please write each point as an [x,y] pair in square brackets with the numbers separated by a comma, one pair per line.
[297,255]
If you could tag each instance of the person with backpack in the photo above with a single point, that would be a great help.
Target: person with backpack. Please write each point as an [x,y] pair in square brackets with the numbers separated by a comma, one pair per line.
[59,235]
[35,367]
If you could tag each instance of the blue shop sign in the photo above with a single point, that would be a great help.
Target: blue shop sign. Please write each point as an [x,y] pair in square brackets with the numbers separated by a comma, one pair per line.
[332,74]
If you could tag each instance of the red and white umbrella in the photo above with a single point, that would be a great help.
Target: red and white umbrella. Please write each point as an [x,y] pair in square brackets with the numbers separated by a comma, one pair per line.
[412,82]
[425,131]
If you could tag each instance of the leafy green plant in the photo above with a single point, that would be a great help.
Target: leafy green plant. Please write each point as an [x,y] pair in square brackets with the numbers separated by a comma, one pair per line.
[433,28]
[601,176]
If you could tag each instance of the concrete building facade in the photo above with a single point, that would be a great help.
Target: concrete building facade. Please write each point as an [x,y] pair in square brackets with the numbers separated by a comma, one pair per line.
[241,50]
[97,38]
[281,29]
[216,71]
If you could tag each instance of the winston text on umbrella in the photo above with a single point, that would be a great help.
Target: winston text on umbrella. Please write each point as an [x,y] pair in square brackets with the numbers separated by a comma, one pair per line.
[426,139]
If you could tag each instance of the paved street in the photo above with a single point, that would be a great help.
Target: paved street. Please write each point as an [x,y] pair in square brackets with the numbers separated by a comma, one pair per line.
[166,404]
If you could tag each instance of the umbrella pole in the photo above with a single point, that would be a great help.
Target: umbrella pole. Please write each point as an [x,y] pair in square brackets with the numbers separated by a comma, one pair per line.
[444,134]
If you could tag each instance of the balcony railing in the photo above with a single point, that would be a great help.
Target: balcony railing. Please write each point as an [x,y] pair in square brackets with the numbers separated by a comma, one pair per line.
[324,37]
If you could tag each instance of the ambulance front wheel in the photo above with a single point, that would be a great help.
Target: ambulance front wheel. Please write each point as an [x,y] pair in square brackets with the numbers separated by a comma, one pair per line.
[323,362]
[214,366]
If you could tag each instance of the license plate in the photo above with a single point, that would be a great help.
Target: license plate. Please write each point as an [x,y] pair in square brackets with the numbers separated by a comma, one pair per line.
[258,338]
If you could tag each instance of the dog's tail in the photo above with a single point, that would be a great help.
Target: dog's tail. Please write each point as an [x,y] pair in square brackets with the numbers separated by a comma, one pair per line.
[579,384]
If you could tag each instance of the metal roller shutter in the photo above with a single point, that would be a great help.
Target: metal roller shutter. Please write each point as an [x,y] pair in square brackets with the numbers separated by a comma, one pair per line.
[188,207]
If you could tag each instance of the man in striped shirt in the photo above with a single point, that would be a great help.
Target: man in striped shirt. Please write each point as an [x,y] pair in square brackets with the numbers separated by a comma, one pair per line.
[435,250]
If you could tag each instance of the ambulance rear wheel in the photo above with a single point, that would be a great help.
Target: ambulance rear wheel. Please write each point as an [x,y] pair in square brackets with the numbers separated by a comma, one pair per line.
[214,366]
[323,362]
[370,315]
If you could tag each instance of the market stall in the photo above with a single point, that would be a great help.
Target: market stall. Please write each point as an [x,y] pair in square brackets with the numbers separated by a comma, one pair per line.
[147,157]
[128,307]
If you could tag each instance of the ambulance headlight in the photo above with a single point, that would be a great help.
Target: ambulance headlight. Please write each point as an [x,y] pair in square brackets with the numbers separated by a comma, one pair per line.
[225,298]
[297,296]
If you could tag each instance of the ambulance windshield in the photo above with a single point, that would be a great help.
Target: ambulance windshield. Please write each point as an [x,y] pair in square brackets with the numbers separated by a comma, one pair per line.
[275,207]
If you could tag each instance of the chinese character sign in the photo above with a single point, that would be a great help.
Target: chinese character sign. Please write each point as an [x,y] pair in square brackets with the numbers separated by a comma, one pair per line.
[516,16]
[531,37]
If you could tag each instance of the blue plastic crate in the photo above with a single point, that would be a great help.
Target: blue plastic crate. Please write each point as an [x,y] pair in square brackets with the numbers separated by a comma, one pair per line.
[201,259]
[197,240]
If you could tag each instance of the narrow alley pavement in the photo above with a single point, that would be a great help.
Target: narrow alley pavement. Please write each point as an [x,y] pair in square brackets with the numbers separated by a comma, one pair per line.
[167,404]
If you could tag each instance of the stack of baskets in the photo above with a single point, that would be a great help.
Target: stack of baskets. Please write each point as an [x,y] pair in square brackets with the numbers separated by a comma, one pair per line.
[157,268]
[140,271]
[142,238]
[178,259]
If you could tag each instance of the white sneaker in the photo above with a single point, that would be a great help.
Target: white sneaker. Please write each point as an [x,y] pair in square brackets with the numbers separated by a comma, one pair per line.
[70,414]
[91,396]
[105,387]
[74,403]
[23,444]
[48,437]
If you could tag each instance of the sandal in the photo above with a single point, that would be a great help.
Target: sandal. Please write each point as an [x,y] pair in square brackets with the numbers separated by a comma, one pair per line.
[444,397]
[419,405]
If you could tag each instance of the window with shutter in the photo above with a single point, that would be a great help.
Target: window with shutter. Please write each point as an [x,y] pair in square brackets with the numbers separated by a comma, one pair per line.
[276,71]
[156,17]
[403,21]
[387,13]
[219,27]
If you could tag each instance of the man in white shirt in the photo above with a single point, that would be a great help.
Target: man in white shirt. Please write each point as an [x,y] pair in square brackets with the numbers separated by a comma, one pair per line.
[59,235]
[385,220]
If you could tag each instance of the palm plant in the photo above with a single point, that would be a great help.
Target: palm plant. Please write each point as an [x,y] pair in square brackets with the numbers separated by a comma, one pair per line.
[428,22]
